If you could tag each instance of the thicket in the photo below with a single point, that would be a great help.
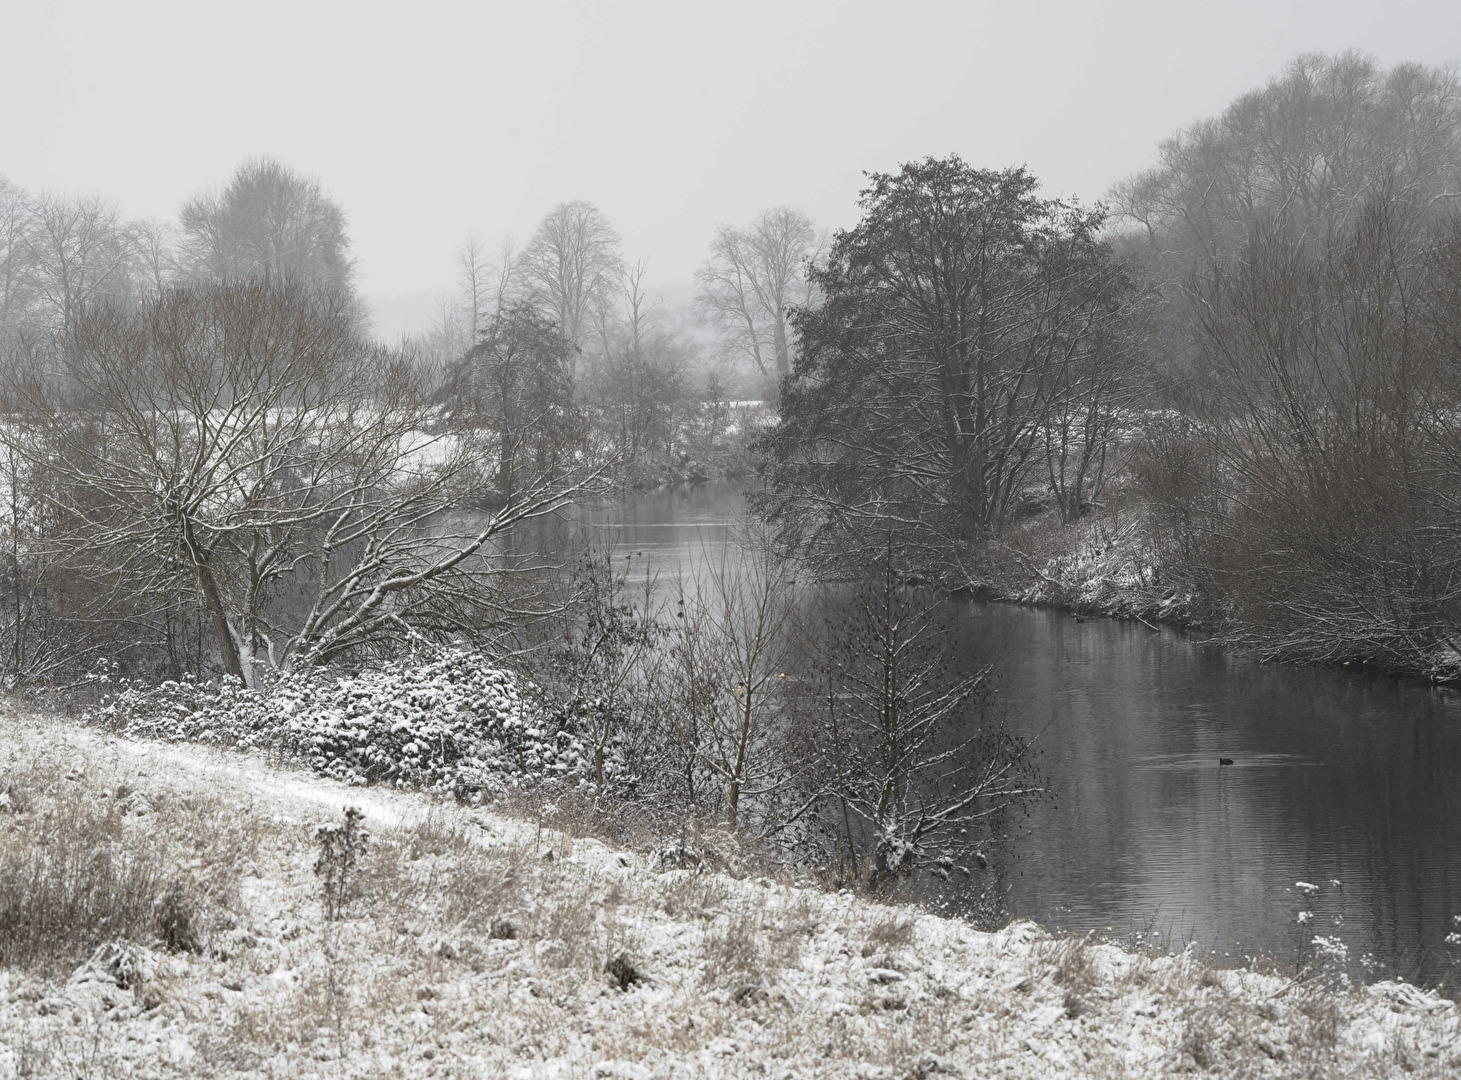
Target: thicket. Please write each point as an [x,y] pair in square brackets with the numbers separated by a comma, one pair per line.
[1301,481]
[833,722]
[442,719]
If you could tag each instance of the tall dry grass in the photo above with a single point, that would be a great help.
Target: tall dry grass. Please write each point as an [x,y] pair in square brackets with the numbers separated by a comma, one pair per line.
[83,863]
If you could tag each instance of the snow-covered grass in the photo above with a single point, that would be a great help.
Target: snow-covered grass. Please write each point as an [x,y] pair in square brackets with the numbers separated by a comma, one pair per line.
[1104,565]
[475,944]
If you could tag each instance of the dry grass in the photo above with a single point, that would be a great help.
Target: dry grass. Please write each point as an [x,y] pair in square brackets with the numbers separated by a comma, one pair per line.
[83,862]
[478,946]
[1074,971]
[646,825]
[889,936]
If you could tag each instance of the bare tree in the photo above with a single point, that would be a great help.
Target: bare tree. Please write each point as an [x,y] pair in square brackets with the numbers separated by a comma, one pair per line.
[569,269]
[244,442]
[32,572]
[155,259]
[751,281]
[268,223]
[1307,153]
[79,251]
[473,271]
[15,293]
[733,650]
[915,761]
[640,382]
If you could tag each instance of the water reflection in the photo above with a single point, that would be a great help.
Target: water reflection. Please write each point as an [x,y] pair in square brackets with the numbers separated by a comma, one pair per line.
[668,531]
[1334,777]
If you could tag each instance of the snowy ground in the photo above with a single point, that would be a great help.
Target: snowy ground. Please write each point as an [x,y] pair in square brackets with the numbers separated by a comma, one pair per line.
[477,946]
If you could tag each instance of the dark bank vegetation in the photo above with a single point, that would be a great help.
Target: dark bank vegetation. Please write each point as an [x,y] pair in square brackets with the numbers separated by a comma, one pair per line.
[1227,398]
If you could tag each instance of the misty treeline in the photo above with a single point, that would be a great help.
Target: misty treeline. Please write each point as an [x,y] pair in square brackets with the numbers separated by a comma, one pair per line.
[211,465]
[1235,386]
[213,470]
[660,381]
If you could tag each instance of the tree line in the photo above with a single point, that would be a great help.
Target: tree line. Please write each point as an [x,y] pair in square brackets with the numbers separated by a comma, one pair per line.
[658,378]
[1240,374]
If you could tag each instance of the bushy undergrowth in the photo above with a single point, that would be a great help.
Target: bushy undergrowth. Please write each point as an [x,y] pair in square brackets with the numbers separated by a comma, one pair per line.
[448,720]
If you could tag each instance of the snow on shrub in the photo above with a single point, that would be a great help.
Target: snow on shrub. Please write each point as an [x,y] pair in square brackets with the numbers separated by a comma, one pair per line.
[447,720]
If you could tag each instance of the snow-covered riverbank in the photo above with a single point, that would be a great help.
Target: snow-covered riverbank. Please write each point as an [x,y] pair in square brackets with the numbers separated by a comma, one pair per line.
[483,945]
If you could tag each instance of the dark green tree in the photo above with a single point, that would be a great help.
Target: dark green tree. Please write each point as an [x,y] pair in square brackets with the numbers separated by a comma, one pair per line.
[515,387]
[949,320]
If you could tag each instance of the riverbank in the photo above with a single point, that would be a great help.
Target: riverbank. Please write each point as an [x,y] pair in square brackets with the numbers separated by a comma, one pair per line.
[1100,567]
[1114,565]
[477,943]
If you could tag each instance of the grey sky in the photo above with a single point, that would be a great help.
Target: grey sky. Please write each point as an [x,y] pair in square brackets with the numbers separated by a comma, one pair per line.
[431,120]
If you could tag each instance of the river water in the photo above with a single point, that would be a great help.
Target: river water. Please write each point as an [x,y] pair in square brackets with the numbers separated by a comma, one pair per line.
[1335,777]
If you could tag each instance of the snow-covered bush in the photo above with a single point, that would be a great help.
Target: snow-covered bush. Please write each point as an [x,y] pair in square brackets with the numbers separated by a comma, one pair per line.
[448,720]
[1105,571]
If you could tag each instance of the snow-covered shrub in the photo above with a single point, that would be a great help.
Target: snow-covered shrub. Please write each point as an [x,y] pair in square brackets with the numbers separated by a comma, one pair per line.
[447,720]
[1101,570]
[183,710]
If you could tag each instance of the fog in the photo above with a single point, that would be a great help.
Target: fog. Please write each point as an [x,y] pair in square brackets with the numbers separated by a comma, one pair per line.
[660,424]
[444,119]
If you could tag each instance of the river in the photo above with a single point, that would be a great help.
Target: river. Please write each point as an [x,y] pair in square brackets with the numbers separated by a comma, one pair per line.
[1336,777]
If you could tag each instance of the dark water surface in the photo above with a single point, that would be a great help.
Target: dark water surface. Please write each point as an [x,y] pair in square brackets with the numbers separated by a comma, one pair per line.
[1336,777]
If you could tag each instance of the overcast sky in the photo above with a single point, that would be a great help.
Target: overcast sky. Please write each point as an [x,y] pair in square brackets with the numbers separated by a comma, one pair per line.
[428,121]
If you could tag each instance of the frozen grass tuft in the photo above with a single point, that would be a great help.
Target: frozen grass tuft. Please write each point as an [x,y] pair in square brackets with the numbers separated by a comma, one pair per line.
[84,862]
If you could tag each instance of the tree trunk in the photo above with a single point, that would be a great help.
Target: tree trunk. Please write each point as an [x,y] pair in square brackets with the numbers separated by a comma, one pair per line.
[213,602]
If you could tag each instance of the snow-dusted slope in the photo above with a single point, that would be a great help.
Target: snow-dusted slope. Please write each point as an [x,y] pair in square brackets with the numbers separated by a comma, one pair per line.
[477,945]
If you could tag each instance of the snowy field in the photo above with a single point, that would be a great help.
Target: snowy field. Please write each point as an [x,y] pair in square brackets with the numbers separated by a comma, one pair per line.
[477,945]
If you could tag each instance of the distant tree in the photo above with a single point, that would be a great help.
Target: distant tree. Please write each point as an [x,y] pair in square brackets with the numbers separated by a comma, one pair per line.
[268,223]
[79,252]
[473,271]
[569,268]
[515,387]
[60,255]
[640,381]
[485,281]
[751,281]
[15,291]
[935,357]
[1307,154]
[155,257]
